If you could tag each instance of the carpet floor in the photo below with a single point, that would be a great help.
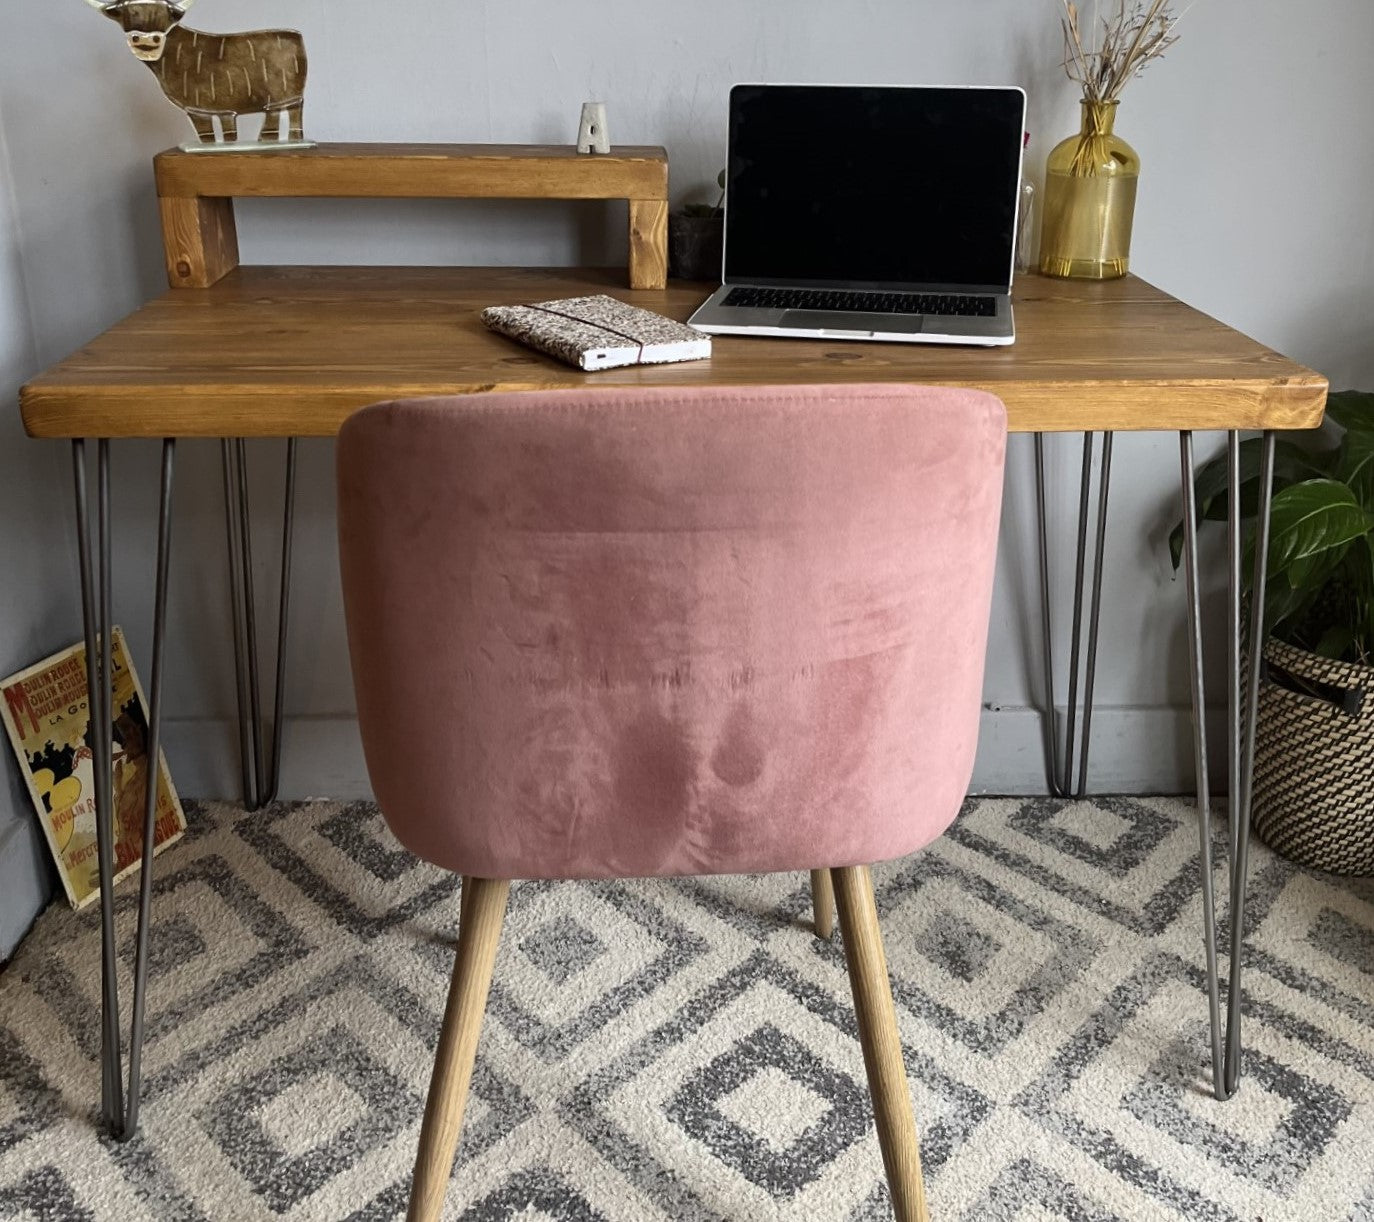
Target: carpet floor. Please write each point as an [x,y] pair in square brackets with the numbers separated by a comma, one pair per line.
[685,1050]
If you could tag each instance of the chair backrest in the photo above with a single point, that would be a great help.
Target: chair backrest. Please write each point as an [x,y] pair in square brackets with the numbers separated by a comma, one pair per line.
[623,632]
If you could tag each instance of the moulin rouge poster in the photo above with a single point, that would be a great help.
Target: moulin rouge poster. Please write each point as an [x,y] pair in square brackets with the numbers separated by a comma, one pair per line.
[46,712]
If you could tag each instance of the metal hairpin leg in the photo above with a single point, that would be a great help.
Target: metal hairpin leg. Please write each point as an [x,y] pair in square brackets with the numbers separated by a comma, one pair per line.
[1061,781]
[1241,736]
[1242,788]
[261,767]
[118,1108]
[1204,791]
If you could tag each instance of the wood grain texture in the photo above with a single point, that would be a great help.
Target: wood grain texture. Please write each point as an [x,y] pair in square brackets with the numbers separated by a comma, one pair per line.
[199,240]
[648,243]
[419,171]
[823,903]
[277,352]
[868,979]
[479,932]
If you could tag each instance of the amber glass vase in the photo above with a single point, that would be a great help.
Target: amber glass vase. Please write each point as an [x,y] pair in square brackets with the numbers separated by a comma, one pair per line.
[1090,184]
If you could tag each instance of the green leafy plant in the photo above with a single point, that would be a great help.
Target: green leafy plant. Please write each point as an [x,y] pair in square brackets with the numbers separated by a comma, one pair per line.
[709,210]
[1319,593]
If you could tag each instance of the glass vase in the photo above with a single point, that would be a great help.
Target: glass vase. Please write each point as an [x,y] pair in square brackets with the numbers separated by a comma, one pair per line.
[1089,201]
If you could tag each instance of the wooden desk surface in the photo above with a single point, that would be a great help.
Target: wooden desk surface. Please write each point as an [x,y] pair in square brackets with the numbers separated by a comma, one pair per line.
[271,352]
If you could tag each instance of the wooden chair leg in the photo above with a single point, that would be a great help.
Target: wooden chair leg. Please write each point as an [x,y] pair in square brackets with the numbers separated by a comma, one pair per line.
[464,898]
[483,907]
[823,903]
[863,949]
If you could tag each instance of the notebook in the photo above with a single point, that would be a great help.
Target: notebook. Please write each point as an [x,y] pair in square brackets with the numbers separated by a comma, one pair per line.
[598,332]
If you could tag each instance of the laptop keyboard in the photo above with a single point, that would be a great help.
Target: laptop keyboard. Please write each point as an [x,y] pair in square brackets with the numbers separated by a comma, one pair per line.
[966,305]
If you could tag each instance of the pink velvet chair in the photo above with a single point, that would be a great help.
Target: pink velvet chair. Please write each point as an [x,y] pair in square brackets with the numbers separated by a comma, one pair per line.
[609,633]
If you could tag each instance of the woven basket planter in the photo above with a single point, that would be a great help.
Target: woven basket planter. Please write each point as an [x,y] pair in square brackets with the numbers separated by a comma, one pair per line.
[1314,760]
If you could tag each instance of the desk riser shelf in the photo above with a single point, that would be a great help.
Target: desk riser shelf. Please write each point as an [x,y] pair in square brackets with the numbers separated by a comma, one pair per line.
[196,192]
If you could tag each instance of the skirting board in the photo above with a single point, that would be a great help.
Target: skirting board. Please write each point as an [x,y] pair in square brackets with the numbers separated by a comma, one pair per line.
[1134,750]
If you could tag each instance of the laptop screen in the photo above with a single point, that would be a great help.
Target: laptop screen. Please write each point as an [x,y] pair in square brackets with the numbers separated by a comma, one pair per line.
[873,186]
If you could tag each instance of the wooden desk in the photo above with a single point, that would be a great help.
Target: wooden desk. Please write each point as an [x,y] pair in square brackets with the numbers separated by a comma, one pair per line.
[279,352]
[290,352]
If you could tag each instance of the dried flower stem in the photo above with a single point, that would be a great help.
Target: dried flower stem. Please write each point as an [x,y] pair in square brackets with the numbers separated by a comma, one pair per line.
[1115,50]
[1118,48]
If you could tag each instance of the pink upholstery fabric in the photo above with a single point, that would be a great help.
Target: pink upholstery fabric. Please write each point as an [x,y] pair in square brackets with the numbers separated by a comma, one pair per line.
[623,632]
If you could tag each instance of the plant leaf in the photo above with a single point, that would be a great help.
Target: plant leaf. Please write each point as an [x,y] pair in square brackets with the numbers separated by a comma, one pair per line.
[1351,409]
[1335,641]
[1292,465]
[1282,603]
[1355,468]
[1364,637]
[1311,572]
[1316,516]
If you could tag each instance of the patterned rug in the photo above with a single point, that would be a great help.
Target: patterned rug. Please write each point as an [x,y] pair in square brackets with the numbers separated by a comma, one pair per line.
[685,1050]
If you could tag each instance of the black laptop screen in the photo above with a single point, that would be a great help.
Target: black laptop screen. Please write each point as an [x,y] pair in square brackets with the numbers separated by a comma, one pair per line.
[872,185]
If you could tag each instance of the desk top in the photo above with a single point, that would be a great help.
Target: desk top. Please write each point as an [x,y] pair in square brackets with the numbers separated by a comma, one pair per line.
[272,352]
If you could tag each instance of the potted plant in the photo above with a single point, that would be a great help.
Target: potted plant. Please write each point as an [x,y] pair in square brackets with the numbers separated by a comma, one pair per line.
[1314,741]
[696,237]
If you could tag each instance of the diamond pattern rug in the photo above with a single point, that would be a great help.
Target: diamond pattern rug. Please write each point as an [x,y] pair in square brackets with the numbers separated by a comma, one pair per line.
[685,1050]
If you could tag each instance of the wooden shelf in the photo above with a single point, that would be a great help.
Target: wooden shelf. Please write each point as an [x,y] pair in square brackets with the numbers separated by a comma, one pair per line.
[196,191]
[419,171]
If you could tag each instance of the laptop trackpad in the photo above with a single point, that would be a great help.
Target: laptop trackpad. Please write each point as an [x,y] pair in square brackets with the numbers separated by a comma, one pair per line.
[847,320]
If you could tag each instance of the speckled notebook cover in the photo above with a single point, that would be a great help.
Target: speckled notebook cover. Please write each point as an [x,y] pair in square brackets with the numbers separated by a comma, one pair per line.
[598,332]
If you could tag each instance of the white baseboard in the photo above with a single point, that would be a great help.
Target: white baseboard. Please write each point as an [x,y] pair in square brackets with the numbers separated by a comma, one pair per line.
[1134,750]
[322,757]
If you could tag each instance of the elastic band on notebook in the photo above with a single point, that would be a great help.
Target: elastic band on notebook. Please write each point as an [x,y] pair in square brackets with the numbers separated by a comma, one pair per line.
[596,326]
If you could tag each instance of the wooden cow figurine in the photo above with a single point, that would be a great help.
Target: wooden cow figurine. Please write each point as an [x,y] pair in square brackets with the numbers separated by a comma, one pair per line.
[216,75]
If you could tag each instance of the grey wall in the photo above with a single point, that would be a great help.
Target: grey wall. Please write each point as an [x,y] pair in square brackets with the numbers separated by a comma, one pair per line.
[1259,165]
[33,550]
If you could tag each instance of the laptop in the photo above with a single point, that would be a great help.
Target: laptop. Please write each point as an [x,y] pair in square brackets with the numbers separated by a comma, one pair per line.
[870,212]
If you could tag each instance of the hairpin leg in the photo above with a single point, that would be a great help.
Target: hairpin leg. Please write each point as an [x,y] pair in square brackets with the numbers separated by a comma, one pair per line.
[261,765]
[283,611]
[1204,791]
[1242,782]
[1061,774]
[95,601]
[145,891]
[96,598]
[1094,615]
[1046,624]
[1242,712]
[250,620]
[233,521]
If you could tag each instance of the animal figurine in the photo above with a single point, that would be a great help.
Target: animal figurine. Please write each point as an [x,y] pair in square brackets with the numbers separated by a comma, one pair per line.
[217,76]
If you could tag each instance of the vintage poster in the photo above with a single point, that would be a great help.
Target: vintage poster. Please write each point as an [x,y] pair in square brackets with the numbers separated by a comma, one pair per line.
[46,713]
